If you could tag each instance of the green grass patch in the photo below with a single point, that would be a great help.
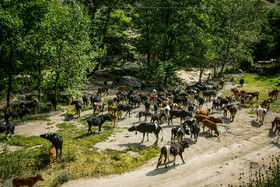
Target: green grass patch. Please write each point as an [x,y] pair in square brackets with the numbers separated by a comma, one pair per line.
[23,141]
[259,83]
[37,117]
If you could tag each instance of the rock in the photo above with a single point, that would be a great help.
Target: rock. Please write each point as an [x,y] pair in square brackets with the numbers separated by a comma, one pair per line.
[127,81]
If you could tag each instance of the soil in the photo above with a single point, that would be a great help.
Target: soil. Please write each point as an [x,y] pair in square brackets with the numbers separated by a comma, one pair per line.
[212,161]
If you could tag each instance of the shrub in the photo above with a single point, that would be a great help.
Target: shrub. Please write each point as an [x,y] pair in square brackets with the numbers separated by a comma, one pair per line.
[63,177]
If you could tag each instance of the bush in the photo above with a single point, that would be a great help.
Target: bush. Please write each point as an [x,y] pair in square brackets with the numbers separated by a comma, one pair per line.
[8,183]
[43,107]
[63,177]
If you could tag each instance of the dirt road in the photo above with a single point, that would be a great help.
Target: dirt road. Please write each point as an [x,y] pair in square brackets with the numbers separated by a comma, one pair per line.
[212,161]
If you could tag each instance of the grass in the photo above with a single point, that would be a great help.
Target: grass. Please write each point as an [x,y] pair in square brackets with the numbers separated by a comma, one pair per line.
[259,83]
[80,157]
[37,117]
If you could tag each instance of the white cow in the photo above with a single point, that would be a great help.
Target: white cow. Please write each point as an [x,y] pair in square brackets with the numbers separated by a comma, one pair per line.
[261,112]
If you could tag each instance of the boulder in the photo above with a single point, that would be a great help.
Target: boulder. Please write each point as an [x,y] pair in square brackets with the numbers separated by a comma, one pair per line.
[127,81]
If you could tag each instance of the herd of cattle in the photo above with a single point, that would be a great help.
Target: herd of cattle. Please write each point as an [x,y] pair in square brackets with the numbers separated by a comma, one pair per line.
[161,106]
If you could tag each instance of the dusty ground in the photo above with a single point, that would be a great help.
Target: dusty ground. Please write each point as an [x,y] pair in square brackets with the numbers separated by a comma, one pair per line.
[212,161]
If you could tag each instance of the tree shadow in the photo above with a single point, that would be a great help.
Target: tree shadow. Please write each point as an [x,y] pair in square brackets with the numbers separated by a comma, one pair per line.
[86,135]
[271,134]
[135,145]
[277,144]
[255,124]
[68,117]
[162,170]
[226,120]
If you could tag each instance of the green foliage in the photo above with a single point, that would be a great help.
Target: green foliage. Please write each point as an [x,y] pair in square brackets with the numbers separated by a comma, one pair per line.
[63,177]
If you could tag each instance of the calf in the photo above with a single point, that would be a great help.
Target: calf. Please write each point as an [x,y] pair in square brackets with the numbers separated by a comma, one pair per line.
[173,149]
[261,112]
[29,106]
[273,93]
[205,112]
[210,125]
[233,110]
[112,110]
[97,121]
[124,107]
[78,107]
[7,128]
[265,104]
[222,83]
[144,113]
[101,90]
[275,122]
[157,117]
[27,181]
[52,154]
[147,128]
[178,113]
[114,119]
[194,128]
[95,99]
[235,93]
[85,100]
[179,131]
[98,105]
[56,140]
[16,114]
[147,105]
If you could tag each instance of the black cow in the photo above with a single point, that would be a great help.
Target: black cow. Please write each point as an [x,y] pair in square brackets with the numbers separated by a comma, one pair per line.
[85,100]
[194,128]
[56,140]
[147,128]
[136,100]
[254,94]
[200,100]
[216,104]
[157,117]
[176,91]
[173,149]
[179,132]
[178,113]
[95,99]
[97,121]
[8,128]
[54,102]
[241,82]
[181,99]
[191,107]
[31,105]
[78,107]
[16,114]
[124,107]
[147,104]
[156,107]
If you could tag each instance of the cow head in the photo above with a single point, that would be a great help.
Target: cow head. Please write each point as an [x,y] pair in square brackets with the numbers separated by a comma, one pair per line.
[107,117]
[184,144]
[132,128]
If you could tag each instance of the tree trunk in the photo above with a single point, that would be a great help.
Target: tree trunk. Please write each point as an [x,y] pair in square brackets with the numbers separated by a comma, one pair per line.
[55,86]
[9,91]
[201,73]
[222,70]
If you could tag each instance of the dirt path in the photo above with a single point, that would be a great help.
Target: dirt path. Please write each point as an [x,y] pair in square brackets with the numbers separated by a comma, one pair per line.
[212,161]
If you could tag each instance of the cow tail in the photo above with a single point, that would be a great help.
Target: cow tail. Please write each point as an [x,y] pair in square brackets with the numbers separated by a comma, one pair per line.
[162,134]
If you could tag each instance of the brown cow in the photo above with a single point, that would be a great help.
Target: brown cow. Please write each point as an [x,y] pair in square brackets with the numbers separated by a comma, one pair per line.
[144,113]
[52,154]
[273,93]
[265,104]
[222,82]
[114,118]
[27,181]
[112,110]
[229,98]
[121,88]
[205,112]
[275,122]
[235,93]
[210,125]
[101,90]
[200,118]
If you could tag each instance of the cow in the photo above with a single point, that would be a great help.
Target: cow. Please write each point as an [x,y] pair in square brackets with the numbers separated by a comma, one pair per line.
[54,102]
[241,82]
[97,121]
[200,100]
[235,92]
[15,114]
[7,128]
[173,149]
[205,112]
[254,94]
[265,104]
[148,128]
[178,113]
[157,117]
[273,93]
[114,119]
[27,181]
[121,88]
[199,118]
[124,107]
[52,155]
[29,106]
[112,110]
[144,113]
[191,107]
[222,83]
[147,105]
[98,105]
[275,122]
[210,125]
[156,107]
[233,110]
[179,132]
[78,107]
[56,140]
[194,128]
[261,112]
[85,100]
[95,99]
[215,104]
[101,90]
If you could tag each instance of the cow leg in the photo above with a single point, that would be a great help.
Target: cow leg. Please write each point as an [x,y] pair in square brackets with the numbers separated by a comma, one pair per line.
[143,137]
[147,136]
[159,160]
[156,142]
[99,128]
[182,158]
[165,157]
[174,160]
